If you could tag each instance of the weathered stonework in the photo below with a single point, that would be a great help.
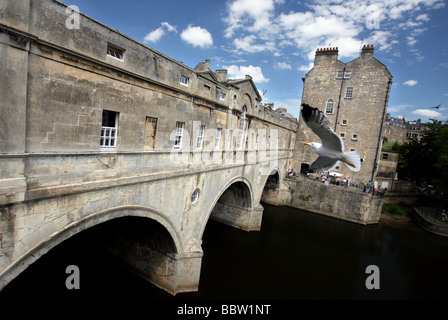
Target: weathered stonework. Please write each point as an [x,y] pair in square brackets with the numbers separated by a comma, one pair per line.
[358,116]
[58,177]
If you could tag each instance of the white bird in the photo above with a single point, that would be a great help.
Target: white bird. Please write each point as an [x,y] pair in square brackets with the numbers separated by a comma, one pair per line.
[331,150]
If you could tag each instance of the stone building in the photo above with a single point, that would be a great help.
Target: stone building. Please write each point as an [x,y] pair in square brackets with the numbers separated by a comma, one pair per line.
[354,96]
[399,130]
[96,126]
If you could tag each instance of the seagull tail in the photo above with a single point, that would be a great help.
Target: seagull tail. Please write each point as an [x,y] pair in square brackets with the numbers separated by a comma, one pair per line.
[352,160]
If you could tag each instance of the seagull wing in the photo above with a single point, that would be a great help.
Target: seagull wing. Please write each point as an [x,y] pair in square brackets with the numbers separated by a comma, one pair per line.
[323,164]
[319,123]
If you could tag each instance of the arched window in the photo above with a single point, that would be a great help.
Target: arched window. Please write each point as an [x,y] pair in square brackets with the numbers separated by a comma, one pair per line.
[242,128]
[330,106]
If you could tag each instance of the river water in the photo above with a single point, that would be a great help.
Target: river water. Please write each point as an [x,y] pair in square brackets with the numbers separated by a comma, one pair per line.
[296,255]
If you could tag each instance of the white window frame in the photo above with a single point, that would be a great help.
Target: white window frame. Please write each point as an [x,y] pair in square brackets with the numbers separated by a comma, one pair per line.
[349,92]
[115,52]
[222,96]
[347,74]
[327,107]
[200,138]
[183,80]
[355,137]
[178,134]
[344,122]
[242,129]
[218,138]
[108,136]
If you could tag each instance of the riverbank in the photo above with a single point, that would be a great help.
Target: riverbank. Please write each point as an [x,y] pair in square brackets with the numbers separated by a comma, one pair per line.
[429,222]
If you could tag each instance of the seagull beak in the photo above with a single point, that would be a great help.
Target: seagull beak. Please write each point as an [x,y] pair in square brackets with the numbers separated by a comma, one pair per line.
[306,143]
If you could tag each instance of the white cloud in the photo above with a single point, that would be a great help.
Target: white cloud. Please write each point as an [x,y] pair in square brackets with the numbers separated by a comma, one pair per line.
[399,108]
[306,67]
[410,83]
[158,33]
[428,113]
[197,36]
[247,44]
[239,72]
[260,26]
[254,15]
[282,66]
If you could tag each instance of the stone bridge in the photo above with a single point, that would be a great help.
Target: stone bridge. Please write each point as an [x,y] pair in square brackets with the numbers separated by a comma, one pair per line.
[97,128]
[164,248]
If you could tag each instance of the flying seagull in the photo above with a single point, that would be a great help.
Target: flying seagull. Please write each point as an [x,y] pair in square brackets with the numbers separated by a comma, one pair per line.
[437,107]
[331,150]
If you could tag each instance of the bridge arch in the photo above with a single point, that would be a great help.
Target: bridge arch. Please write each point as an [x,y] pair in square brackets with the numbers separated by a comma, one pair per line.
[165,227]
[234,205]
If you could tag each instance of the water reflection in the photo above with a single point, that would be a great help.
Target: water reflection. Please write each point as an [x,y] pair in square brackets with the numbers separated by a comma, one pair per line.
[296,255]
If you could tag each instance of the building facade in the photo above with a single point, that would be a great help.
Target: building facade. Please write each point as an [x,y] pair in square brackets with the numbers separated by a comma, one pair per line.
[399,130]
[354,96]
[96,126]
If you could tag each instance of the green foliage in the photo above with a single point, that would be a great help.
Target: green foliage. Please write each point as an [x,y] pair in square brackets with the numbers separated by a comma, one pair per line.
[396,209]
[427,157]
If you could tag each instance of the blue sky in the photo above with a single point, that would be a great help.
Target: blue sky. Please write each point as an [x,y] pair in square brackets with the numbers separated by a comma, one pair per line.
[275,40]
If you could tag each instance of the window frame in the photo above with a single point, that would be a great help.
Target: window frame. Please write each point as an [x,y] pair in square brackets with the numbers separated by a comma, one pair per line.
[151,137]
[184,80]
[218,138]
[178,134]
[200,137]
[327,106]
[109,135]
[347,91]
[115,52]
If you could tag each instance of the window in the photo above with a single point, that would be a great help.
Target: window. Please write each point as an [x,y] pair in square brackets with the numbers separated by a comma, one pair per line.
[115,52]
[109,125]
[195,196]
[151,130]
[229,139]
[344,122]
[179,131]
[242,128]
[184,80]
[349,92]
[342,135]
[385,156]
[343,74]
[218,138]
[222,96]
[355,137]
[329,107]
[200,137]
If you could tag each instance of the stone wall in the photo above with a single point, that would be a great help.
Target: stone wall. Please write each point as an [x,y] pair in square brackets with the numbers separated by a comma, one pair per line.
[357,119]
[335,201]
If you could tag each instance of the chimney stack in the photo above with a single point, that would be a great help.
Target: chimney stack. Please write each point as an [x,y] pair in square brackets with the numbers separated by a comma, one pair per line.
[367,51]
[326,54]
[221,75]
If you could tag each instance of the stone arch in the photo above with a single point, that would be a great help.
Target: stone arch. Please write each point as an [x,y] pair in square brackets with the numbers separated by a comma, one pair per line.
[85,223]
[241,187]
[271,186]
[247,101]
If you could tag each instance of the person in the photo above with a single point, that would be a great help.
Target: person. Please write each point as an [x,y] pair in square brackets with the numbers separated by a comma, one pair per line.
[368,186]
[348,182]
[365,186]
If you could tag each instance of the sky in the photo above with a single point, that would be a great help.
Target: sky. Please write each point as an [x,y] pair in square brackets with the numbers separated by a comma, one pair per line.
[274,41]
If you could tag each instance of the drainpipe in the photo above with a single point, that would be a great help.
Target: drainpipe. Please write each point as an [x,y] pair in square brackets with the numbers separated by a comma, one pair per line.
[339,100]
[375,166]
